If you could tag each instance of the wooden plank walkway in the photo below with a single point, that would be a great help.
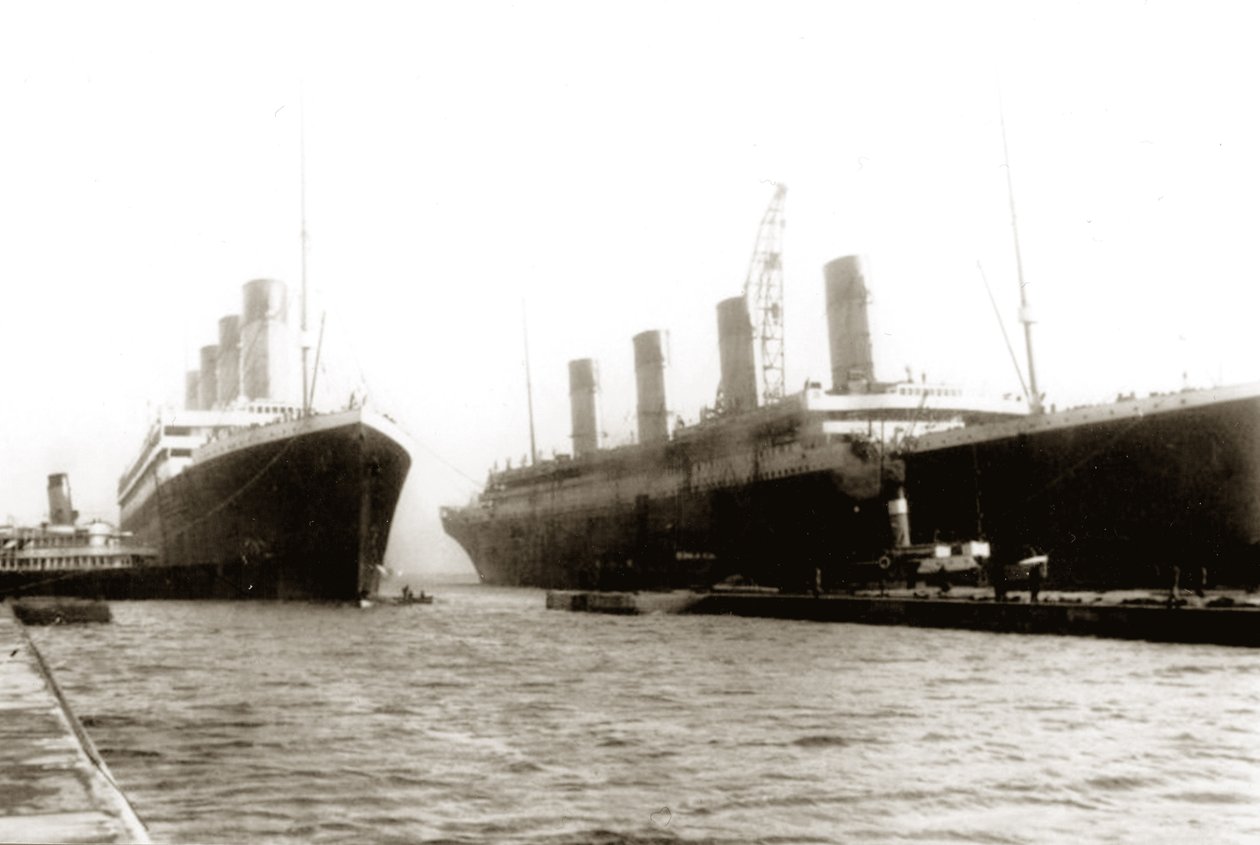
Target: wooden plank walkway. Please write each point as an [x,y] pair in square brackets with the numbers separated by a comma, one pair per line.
[54,787]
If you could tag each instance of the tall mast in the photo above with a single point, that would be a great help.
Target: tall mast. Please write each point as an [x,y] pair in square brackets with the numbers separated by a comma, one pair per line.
[306,347]
[1025,313]
[529,387]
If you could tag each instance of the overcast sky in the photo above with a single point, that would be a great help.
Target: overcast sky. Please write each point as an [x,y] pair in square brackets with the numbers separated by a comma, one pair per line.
[605,166]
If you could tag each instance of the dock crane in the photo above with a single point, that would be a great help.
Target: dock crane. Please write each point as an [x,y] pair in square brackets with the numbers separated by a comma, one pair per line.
[763,292]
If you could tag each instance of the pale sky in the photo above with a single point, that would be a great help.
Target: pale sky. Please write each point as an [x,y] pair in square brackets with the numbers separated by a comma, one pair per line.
[606,165]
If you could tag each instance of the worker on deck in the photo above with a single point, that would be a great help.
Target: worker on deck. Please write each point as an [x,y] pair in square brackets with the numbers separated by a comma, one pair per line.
[997,576]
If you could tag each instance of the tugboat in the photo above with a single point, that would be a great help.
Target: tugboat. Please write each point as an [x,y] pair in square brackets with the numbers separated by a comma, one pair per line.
[408,597]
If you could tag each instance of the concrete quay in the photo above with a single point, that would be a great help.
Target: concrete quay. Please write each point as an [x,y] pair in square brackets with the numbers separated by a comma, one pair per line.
[54,786]
[1144,615]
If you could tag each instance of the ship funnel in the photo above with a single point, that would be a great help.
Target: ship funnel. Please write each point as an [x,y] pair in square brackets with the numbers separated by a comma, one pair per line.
[229,368]
[583,385]
[192,390]
[649,377]
[848,325]
[208,387]
[265,342]
[60,511]
[899,520]
[735,348]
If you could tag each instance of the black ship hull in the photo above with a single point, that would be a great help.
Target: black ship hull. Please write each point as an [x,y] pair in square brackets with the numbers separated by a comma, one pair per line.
[1116,495]
[610,533]
[302,515]
[1132,494]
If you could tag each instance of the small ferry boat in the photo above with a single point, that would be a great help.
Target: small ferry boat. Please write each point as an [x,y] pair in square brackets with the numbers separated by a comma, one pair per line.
[64,558]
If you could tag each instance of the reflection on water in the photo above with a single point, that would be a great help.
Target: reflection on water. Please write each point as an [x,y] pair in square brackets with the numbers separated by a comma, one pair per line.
[486,718]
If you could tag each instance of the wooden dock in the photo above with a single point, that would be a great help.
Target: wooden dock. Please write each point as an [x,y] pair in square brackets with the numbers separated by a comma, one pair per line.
[54,786]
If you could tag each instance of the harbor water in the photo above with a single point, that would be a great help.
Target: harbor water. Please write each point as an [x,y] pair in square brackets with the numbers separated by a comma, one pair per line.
[486,718]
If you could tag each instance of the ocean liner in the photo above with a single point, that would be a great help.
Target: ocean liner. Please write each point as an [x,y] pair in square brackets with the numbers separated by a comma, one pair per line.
[246,494]
[1130,493]
[1138,492]
[1118,494]
[770,495]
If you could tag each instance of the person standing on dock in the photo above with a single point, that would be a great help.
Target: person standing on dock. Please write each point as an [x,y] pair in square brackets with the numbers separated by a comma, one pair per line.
[1174,588]
[1034,583]
[942,579]
[997,576]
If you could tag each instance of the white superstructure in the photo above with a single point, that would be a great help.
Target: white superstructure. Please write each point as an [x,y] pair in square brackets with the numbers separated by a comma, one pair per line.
[172,441]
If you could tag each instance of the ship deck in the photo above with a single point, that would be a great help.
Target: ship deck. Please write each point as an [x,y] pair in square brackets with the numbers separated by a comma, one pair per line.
[1123,409]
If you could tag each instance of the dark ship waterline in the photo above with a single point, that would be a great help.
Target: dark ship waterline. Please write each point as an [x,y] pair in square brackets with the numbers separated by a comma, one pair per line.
[1116,494]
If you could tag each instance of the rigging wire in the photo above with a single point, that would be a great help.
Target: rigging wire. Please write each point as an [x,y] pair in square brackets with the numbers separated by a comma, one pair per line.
[1006,337]
[237,493]
[438,457]
[1091,455]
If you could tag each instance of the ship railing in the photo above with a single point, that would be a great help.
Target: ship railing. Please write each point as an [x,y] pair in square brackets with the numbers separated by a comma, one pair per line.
[142,459]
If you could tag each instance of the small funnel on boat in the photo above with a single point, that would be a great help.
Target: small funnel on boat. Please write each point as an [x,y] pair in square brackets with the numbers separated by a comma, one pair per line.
[60,511]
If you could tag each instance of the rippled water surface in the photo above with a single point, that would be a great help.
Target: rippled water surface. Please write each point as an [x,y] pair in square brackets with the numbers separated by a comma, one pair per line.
[485,718]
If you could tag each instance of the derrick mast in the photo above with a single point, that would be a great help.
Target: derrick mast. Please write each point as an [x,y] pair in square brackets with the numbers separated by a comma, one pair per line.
[763,292]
